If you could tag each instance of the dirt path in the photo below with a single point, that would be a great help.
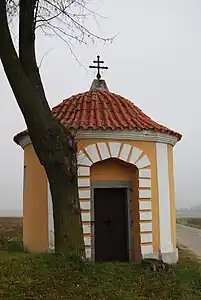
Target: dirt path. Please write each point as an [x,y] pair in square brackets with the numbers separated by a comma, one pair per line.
[189,237]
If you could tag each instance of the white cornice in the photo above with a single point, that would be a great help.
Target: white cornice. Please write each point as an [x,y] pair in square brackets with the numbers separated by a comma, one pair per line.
[24,141]
[149,136]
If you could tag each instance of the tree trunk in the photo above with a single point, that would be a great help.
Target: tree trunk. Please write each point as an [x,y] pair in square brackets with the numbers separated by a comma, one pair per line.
[60,162]
[67,220]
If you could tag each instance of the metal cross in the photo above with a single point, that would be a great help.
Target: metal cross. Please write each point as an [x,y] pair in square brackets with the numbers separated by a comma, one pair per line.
[98,62]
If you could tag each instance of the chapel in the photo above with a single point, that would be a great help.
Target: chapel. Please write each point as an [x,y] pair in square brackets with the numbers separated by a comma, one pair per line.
[125,180]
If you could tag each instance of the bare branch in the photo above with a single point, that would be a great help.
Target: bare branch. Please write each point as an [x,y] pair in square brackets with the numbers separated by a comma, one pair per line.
[66,19]
[12,8]
[36,12]
[59,32]
[61,16]
[67,43]
[40,64]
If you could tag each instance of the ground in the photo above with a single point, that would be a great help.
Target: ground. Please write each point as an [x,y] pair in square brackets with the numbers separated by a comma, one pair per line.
[31,276]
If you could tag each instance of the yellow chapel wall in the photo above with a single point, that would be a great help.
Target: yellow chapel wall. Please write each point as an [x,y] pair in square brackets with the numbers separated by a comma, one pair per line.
[148,148]
[35,203]
[35,200]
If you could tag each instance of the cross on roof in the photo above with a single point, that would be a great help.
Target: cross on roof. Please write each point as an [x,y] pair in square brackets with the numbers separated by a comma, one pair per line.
[98,62]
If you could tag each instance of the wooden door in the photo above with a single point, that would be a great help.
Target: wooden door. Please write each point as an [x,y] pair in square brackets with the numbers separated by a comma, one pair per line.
[111,224]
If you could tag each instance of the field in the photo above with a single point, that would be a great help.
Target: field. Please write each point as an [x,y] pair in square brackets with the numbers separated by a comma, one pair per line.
[46,276]
[192,222]
[10,228]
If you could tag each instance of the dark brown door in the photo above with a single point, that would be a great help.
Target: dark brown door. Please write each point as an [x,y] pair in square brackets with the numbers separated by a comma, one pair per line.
[111,224]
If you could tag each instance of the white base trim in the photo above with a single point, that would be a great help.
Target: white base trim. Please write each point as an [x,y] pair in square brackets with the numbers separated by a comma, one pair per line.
[168,258]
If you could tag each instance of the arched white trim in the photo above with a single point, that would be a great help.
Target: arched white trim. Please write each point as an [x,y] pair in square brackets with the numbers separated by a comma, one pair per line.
[98,152]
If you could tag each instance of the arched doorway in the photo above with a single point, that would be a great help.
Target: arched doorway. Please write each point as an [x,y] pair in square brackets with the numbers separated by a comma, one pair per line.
[128,155]
[114,211]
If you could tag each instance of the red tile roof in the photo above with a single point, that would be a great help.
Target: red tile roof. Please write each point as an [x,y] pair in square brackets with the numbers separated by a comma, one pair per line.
[100,109]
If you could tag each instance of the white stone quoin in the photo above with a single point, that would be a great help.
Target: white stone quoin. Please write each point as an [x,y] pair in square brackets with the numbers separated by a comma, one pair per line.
[167,252]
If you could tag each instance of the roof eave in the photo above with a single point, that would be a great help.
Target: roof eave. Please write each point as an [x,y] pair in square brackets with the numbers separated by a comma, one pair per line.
[22,138]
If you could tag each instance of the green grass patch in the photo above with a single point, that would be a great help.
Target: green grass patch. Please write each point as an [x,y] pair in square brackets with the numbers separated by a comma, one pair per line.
[51,276]
[47,276]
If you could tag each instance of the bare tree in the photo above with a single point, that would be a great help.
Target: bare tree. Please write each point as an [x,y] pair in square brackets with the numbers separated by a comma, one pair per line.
[54,145]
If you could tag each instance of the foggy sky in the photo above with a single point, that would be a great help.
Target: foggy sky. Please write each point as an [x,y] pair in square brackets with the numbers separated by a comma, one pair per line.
[155,61]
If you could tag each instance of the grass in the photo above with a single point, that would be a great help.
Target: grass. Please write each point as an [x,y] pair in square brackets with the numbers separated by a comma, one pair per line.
[45,276]
[192,222]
